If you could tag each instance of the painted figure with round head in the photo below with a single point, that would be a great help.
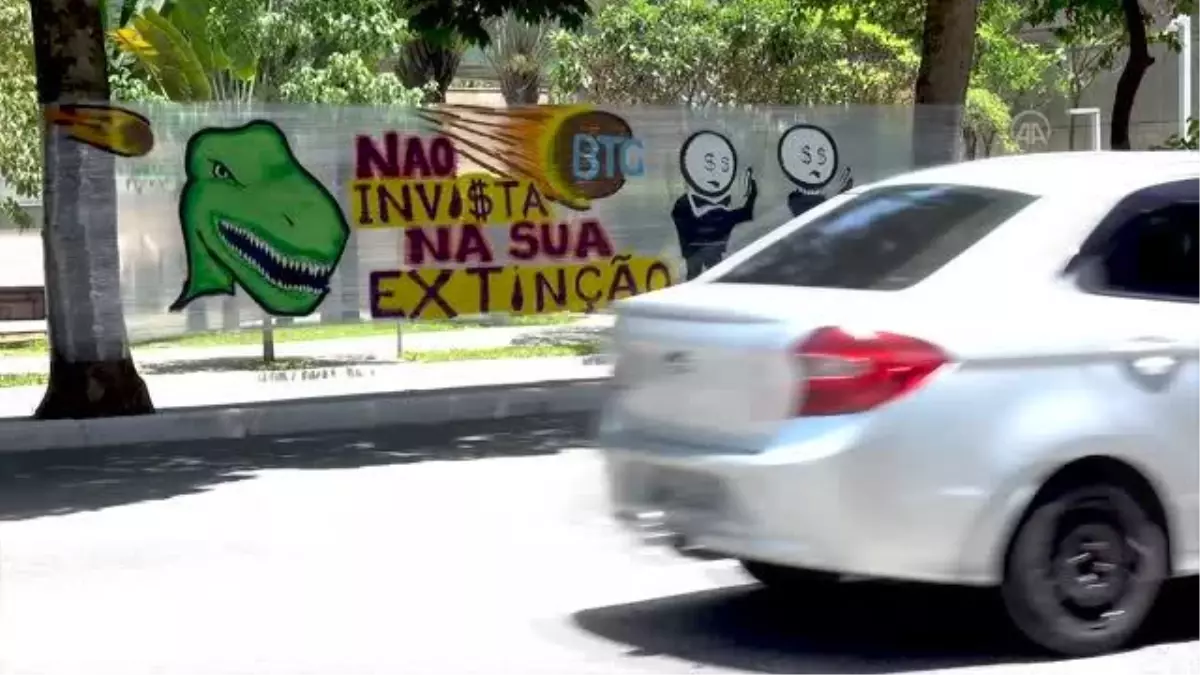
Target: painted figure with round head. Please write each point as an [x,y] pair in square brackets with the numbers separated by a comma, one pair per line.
[720,196]
[808,157]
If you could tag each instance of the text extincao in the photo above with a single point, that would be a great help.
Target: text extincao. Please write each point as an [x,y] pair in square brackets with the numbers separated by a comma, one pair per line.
[447,293]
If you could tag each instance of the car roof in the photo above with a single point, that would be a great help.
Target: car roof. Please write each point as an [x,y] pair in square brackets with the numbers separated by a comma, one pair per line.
[1048,173]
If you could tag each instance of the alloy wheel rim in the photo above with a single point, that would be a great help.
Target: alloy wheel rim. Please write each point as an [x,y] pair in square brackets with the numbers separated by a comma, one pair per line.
[1094,564]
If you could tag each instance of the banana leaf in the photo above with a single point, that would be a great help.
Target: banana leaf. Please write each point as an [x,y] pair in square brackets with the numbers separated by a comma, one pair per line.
[173,46]
[190,17]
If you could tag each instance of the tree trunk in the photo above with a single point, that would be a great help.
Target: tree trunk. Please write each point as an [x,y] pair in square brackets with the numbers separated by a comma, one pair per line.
[422,61]
[1131,75]
[947,48]
[92,373]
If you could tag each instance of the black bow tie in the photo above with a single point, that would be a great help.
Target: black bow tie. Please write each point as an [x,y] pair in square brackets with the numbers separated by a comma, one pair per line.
[703,201]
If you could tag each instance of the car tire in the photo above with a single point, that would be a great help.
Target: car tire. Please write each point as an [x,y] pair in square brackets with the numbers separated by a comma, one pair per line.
[789,579]
[1084,569]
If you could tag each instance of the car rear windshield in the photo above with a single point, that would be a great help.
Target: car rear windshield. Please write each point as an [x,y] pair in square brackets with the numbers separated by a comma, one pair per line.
[885,239]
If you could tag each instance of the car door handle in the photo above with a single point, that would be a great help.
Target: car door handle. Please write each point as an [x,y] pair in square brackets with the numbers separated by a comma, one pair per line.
[1147,344]
[1151,357]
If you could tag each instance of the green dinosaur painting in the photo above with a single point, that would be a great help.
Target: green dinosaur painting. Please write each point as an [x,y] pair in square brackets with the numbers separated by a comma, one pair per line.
[252,216]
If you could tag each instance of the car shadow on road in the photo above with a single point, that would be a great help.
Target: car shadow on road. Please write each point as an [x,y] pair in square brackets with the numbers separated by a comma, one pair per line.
[863,627]
[68,481]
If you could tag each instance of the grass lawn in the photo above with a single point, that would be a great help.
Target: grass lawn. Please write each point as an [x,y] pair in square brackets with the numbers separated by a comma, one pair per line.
[22,379]
[511,352]
[34,345]
[300,363]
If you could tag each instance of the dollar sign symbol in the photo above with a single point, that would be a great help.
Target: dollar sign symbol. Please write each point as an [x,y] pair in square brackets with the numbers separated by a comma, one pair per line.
[806,155]
[822,156]
[481,203]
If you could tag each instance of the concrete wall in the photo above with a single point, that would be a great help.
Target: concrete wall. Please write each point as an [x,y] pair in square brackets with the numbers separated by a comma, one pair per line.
[1156,109]
[487,97]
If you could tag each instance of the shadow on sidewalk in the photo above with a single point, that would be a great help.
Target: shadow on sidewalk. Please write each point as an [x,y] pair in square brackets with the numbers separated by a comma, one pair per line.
[864,627]
[569,336]
[251,363]
[62,482]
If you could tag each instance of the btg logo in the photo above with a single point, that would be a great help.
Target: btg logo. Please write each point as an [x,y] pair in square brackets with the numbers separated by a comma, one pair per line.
[600,153]
[605,156]
[595,152]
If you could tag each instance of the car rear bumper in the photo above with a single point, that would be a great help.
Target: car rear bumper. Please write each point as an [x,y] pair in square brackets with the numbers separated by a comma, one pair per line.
[832,511]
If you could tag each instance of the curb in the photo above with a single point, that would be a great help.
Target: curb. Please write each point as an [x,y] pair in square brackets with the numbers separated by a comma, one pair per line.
[330,414]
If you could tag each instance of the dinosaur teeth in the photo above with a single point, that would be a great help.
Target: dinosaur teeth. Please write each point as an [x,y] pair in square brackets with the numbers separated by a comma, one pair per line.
[280,269]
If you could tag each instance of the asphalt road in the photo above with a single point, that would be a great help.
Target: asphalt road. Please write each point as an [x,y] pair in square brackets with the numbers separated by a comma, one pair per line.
[477,548]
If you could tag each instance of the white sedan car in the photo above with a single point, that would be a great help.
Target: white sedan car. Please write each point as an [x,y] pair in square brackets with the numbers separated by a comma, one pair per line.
[981,374]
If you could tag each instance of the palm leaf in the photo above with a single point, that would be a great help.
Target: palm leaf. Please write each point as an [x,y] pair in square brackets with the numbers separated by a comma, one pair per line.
[190,17]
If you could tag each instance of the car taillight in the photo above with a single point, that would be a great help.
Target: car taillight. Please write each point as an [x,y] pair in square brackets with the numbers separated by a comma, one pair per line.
[849,373]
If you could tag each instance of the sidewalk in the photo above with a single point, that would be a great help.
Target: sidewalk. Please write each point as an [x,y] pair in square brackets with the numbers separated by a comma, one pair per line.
[374,349]
[353,392]
[203,406]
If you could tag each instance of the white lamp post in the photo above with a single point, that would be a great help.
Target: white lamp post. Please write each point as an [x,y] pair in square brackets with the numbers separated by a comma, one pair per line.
[1182,25]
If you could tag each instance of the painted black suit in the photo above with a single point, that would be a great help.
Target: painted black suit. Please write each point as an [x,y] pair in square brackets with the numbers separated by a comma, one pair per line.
[703,238]
[800,202]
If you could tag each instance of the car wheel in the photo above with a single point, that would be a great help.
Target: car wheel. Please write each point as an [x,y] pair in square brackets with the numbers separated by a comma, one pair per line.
[1084,570]
[782,578]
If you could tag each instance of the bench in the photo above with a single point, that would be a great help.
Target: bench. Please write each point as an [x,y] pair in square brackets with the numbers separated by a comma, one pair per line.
[23,303]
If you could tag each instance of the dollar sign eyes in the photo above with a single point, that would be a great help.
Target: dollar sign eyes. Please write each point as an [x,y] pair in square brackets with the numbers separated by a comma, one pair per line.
[709,163]
[221,171]
[806,155]
[725,164]
[821,155]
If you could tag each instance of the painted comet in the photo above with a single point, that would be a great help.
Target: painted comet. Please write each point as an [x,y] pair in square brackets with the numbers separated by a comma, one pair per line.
[254,217]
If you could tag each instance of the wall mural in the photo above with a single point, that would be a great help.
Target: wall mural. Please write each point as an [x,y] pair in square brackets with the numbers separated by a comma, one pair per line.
[512,235]
[459,210]
[718,199]
[114,130]
[808,157]
[254,217]
[573,154]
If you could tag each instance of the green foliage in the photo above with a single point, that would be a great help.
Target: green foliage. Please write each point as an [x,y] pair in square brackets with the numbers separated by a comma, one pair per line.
[183,55]
[20,139]
[1189,141]
[519,53]
[294,50]
[304,46]
[987,124]
[696,52]
[1094,32]
[1007,65]
[444,21]
[1088,51]
[1074,17]
[347,79]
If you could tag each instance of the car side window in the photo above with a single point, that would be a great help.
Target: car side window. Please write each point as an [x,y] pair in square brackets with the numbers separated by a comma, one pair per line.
[1155,254]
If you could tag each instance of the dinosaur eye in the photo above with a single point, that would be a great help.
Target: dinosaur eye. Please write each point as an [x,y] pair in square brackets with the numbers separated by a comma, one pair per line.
[221,171]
